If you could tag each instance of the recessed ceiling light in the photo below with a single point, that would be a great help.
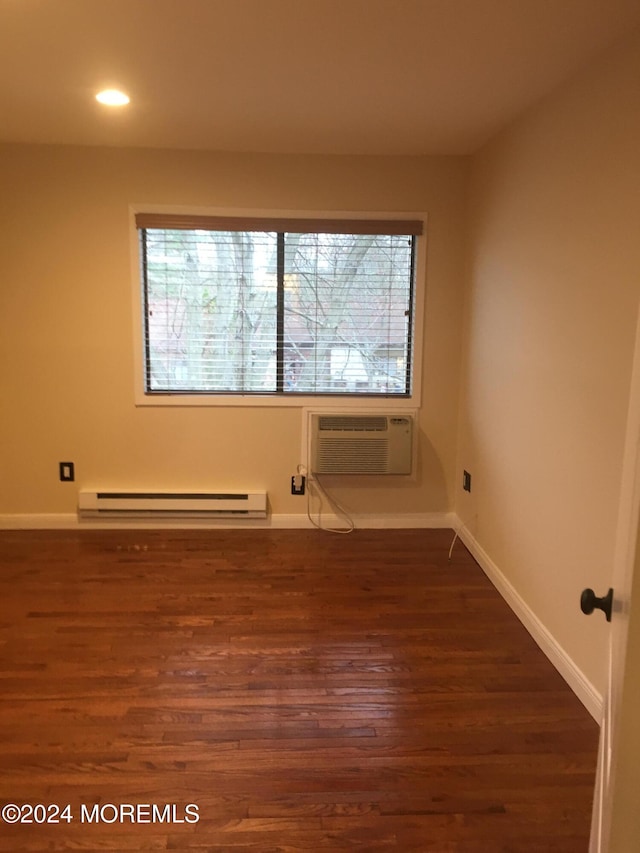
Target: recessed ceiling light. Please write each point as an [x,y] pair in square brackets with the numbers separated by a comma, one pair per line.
[112,98]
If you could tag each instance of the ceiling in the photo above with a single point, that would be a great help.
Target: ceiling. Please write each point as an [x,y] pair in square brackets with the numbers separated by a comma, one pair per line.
[402,77]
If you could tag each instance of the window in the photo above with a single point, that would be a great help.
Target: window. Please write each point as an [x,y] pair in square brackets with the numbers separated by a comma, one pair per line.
[284,308]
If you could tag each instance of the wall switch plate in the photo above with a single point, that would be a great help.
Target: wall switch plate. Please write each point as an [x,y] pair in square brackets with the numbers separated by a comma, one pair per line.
[67,472]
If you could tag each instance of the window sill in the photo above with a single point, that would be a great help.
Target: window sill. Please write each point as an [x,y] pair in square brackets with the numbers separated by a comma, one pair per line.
[329,402]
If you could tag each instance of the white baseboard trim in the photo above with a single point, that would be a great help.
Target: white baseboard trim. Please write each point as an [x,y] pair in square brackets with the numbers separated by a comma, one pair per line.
[572,674]
[39,521]
[70,521]
[389,521]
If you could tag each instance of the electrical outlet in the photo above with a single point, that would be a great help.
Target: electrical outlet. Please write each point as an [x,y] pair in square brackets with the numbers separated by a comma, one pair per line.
[466,481]
[67,472]
[298,482]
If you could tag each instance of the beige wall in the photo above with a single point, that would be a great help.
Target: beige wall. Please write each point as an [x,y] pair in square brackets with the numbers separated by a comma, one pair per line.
[554,262]
[66,340]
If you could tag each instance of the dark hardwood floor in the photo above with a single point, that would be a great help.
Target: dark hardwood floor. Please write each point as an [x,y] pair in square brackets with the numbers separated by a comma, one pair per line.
[306,691]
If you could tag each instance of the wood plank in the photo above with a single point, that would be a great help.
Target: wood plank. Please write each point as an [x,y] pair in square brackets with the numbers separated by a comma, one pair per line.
[308,692]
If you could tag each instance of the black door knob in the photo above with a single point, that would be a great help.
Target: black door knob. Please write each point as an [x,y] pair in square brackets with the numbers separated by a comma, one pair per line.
[590,602]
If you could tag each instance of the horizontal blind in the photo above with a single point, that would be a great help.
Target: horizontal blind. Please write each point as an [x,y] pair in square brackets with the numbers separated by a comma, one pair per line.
[210,311]
[347,313]
[266,312]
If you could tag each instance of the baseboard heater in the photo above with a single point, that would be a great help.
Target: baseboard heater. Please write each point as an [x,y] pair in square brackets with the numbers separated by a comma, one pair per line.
[177,505]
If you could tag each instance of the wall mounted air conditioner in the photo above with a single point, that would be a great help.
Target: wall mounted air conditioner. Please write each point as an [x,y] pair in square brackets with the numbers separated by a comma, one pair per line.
[183,505]
[361,444]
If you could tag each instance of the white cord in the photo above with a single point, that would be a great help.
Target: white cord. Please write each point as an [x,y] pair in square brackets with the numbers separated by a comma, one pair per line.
[314,479]
[456,536]
[457,533]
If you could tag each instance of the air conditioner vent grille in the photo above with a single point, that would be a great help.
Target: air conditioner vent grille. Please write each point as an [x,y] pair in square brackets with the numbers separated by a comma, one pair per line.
[353,456]
[353,423]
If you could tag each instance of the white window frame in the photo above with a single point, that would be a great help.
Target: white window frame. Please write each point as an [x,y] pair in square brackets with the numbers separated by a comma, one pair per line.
[298,401]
